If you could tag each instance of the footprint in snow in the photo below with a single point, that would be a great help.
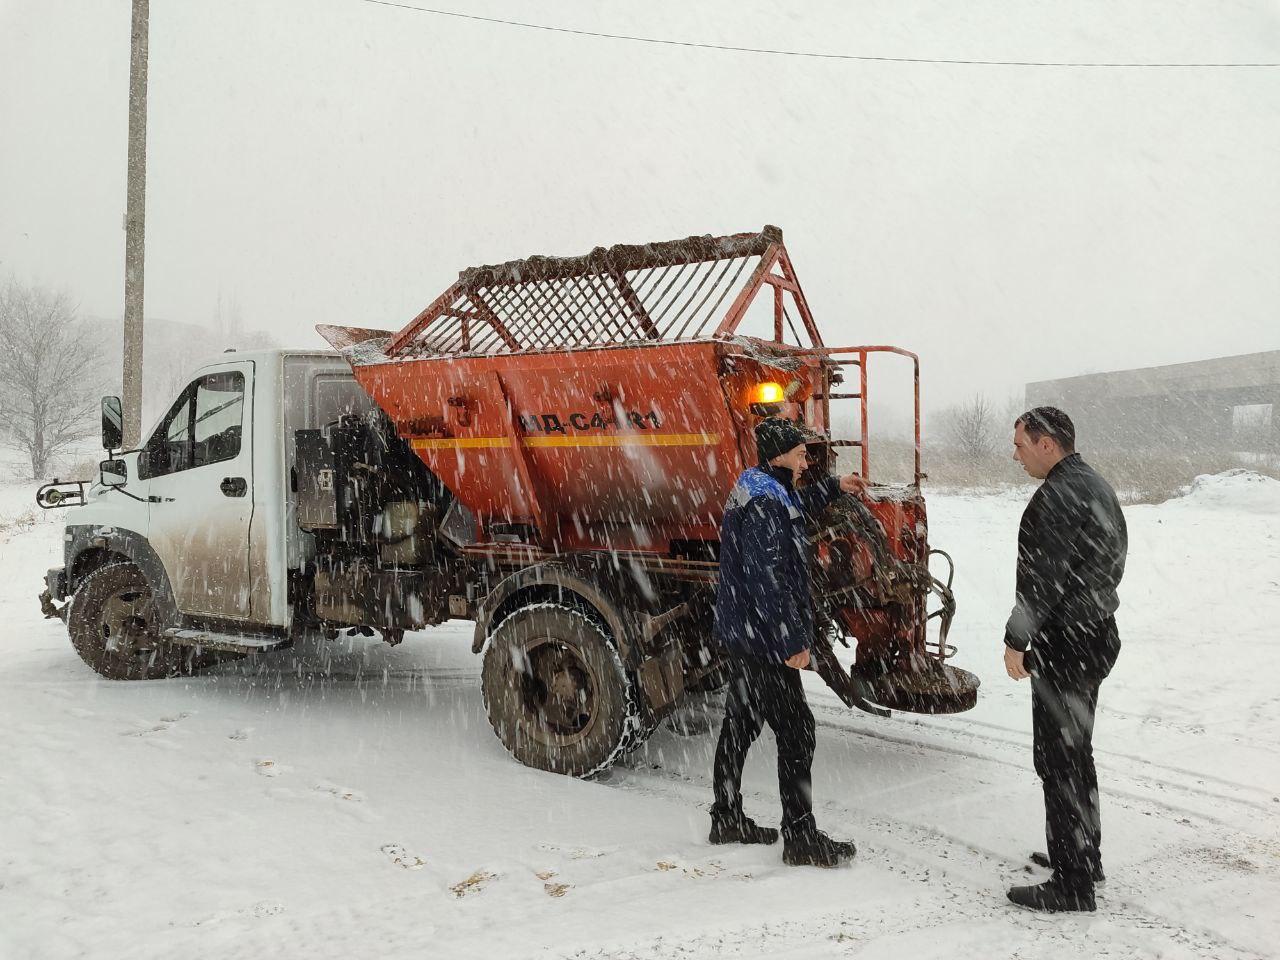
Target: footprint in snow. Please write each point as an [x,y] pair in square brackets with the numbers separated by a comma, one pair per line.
[402,857]
[340,793]
[261,909]
[241,734]
[711,869]
[578,853]
[473,884]
[145,731]
[549,886]
[164,724]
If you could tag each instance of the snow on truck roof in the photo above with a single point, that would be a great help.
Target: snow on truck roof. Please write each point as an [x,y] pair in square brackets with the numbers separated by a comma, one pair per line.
[675,290]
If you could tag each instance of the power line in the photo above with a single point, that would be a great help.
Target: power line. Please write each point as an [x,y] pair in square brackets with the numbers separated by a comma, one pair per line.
[794,53]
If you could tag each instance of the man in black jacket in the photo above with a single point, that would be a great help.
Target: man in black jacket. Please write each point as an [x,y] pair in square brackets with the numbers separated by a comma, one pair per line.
[764,619]
[1062,634]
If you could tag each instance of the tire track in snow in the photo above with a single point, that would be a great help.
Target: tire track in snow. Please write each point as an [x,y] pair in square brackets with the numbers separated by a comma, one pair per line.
[1023,739]
[831,713]
[936,859]
[885,920]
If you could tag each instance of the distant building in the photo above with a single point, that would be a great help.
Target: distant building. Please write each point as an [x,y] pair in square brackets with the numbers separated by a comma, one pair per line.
[1229,403]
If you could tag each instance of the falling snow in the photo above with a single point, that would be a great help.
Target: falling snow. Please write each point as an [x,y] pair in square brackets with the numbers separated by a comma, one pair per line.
[329,800]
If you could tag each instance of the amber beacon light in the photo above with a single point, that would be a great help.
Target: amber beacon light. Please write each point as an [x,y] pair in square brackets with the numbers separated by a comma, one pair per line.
[768,392]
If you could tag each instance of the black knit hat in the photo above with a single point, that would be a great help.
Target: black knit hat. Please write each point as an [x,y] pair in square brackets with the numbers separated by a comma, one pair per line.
[774,437]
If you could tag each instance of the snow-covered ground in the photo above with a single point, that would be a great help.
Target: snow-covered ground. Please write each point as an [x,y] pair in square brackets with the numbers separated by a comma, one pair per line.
[352,802]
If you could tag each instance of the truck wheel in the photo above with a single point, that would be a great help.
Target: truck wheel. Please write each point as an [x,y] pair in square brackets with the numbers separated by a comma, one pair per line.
[556,692]
[112,626]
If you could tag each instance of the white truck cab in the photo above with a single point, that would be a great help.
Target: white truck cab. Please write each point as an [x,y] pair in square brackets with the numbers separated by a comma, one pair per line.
[204,509]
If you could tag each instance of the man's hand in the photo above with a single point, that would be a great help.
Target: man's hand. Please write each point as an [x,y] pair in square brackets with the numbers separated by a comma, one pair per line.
[852,483]
[1013,663]
[798,661]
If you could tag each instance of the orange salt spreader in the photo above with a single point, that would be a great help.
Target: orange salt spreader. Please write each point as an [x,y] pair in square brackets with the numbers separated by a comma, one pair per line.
[585,419]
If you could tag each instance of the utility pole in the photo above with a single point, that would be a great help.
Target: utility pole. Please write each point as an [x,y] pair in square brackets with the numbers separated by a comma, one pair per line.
[134,225]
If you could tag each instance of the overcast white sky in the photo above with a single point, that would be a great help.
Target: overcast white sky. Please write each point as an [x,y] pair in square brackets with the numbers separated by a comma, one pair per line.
[333,161]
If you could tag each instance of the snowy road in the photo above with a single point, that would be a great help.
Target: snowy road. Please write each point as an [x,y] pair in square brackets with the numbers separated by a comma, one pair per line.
[351,801]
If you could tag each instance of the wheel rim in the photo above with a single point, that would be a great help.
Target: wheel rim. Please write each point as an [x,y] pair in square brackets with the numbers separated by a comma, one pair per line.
[125,623]
[559,690]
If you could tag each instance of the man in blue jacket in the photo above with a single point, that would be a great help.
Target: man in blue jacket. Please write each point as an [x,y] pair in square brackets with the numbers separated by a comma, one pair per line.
[765,620]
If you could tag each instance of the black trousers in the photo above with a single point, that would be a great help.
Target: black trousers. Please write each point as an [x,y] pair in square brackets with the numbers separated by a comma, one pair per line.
[758,693]
[1062,742]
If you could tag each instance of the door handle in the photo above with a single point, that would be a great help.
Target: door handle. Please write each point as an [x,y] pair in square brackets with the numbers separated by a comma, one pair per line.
[234,486]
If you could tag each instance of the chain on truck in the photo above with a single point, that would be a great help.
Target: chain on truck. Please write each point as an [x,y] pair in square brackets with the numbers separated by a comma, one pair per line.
[545,451]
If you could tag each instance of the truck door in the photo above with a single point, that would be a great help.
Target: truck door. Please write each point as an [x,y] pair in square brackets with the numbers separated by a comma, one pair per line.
[200,461]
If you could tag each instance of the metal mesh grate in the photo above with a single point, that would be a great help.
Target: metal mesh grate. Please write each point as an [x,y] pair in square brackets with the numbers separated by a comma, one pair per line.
[675,290]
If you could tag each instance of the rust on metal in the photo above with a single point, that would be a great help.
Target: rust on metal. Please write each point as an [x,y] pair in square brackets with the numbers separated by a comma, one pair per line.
[673,290]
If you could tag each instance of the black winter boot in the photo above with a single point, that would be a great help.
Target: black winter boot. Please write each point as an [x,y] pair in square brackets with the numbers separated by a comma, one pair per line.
[740,830]
[1042,860]
[1053,897]
[813,848]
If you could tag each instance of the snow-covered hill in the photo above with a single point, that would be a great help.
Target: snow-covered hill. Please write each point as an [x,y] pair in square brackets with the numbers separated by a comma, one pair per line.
[350,801]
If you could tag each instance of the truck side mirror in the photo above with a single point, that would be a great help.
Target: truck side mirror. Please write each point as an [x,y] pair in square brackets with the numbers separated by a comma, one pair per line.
[113,473]
[112,425]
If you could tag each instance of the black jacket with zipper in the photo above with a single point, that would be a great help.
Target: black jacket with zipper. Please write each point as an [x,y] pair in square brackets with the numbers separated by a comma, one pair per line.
[1072,545]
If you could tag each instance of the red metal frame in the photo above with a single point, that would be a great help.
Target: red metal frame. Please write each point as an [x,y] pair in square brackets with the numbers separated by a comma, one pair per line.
[775,255]
[620,295]
[862,353]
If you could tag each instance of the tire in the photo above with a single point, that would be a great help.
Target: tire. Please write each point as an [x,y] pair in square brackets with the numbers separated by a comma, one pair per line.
[556,692]
[111,620]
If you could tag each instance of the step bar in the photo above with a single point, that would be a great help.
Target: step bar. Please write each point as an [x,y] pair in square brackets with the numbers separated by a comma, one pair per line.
[224,642]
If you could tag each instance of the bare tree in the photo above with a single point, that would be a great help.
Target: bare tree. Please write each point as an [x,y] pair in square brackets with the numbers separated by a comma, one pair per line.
[1015,405]
[971,429]
[50,374]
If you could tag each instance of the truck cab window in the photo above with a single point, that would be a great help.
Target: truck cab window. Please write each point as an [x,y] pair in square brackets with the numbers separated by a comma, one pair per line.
[219,408]
[202,427]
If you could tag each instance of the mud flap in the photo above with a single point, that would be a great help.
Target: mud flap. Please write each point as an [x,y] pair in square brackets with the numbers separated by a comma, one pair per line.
[50,610]
[662,680]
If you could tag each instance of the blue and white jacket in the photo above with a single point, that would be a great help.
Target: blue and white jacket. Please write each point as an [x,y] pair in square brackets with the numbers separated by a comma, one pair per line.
[763,603]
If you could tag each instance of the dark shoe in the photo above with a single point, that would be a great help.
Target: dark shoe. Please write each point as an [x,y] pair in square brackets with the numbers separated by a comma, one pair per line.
[1052,897]
[1042,860]
[816,849]
[741,830]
